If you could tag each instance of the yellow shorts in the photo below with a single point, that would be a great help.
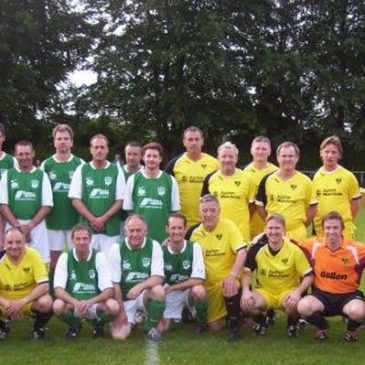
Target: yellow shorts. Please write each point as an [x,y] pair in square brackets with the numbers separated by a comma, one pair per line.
[26,310]
[216,304]
[274,301]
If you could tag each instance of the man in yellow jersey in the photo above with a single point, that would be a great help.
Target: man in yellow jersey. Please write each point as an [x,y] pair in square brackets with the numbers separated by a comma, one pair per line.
[224,254]
[23,284]
[234,189]
[256,170]
[189,170]
[283,274]
[335,188]
[287,192]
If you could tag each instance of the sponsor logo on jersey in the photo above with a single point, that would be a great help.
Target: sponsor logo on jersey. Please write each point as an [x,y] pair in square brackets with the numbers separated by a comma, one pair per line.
[52,175]
[61,187]
[141,191]
[92,274]
[108,180]
[161,190]
[178,278]
[136,277]
[126,265]
[333,275]
[22,195]
[146,261]
[34,184]
[81,288]
[186,264]
[168,267]
[151,203]
[89,181]
[14,184]
[99,193]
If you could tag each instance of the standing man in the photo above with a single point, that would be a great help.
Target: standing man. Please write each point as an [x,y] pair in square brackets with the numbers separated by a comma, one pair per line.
[152,193]
[287,192]
[335,188]
[26,199]
[190,170]
[184,276]
[83,286]
[256,171]
[234,189]
[97,191]
[338,265]
[60,168]
[283,274]
[6,162]
[136,265]
[224,254]
[23,284]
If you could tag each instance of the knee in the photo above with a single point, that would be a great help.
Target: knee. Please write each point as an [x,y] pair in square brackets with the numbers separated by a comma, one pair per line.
[305,307]
[112,307]
[120,333]
[199,292]
[356,312]
[44,304]
[158,293]
[59,307]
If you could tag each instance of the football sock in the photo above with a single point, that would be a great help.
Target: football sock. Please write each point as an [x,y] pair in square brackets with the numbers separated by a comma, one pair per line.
[155,311]
[201,307]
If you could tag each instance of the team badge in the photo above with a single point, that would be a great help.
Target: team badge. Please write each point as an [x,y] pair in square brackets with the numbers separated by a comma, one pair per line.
[204,166]
[34,184]
[92,274]
[89,181]
[146,261]
[293,186]
[52,175]
[237,183]
[108,180]
[71,174]
[26,270]
[219,236]
[338,181]
[184,179]
[345,260]
[284,260]
[186,264]
[126,265]
[141,191]
[161,190]
[263,272]
[14,184]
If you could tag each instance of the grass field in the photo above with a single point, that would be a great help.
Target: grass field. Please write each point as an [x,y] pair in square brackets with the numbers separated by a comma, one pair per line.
[182,346]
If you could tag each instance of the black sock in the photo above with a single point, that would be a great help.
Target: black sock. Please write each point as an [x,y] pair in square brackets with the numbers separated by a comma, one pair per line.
[260,319]
[316,319]
[293,319]
[353,325]
[233,309]
[41,319]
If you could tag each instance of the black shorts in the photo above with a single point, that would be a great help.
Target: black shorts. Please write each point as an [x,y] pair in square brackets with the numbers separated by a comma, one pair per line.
[334,303]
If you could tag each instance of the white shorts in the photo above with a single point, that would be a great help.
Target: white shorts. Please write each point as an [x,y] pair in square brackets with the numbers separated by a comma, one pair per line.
[175,303]
[91,313]
[102,243]
[38,237]
[58,239]
[132,306]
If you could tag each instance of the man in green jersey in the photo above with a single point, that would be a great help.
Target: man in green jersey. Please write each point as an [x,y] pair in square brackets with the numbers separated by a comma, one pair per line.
[152,193]
[60,168]
[96,191]
[26,198]
[136,265]
[83,286]
[184,276]
[6,162]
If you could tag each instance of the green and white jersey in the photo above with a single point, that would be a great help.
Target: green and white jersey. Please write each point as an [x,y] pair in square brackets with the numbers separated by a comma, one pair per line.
[25,192]
[62,216]
[7,162]
[98,189]
[154,199]
[188,264]
[130,267]
[82,279]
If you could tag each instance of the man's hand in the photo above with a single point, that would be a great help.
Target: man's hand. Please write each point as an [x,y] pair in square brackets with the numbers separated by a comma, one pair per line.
[291,301]
[247,301]
[98,224]
[134,292]
[230,287]
[13,309]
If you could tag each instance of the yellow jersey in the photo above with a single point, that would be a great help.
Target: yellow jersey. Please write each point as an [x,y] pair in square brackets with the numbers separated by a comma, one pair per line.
[17,281]
[335,190]
[257,224]
[290,198]
[190,176]
[234,193]
[277,272]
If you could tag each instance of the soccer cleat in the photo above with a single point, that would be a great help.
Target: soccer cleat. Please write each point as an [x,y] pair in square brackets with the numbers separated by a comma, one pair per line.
[270,317]
[234,336]
[39,333]
[71,333]
[321,335]
[3,330]
[351,336]
[259,329]
[293,330]
[154,335]
[98,331]
[201,328]
[302,323]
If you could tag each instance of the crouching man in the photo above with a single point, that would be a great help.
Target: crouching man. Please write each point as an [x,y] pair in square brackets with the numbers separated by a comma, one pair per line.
[136,265]
[23,284]
[83,286]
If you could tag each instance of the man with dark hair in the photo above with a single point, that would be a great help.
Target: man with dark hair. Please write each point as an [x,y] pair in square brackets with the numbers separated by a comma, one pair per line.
[338,263]
[97,192]
[23,284]
[83,286]
[26,198]
[152,193]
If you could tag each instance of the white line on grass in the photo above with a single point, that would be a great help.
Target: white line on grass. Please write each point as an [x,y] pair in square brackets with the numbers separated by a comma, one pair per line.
[152,356]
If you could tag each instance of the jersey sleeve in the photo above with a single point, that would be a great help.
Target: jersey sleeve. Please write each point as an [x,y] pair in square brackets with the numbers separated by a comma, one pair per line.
[47,196]
[39,269]
[75,186]
[261,198]
[205,187]
[198,271]
[128,194]
[175,196]
[114,263]
[120,187]
[308,193]
[4,197]
[104,277]
[169,168]
[157,268]
[354,189]
[61,272]
[250,262]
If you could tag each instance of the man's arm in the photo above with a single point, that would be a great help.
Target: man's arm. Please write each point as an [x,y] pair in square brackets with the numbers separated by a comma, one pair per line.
[229,284]
[147,284]
[355,206]
[187,284]
[292,299]
[310,214]
[8,215]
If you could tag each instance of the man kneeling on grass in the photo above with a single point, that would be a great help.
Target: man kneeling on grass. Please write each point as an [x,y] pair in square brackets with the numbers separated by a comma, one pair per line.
[83,286]
[338,263]
[283,274]
[136,265]
[184,276]
[23,284]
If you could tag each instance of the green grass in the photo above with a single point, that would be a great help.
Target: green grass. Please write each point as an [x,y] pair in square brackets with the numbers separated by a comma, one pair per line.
[182,346]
